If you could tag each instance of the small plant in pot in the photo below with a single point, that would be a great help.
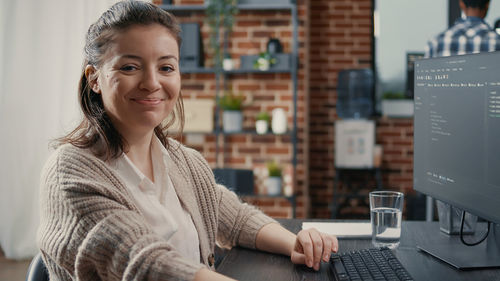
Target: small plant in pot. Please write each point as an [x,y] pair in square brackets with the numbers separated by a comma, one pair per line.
[262,122]
[395,104]
[264,61]
[273,183]
[220,16]
[232,117]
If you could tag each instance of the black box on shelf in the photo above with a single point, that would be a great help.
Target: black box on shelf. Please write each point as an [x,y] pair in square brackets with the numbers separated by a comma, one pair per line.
[191,52]
[283,62]
[237,180]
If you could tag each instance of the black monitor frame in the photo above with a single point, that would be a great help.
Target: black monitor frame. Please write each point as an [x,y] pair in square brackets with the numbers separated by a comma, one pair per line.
[435,79]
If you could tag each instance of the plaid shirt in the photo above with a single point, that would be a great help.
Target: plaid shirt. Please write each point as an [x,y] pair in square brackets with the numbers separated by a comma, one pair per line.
[470,35]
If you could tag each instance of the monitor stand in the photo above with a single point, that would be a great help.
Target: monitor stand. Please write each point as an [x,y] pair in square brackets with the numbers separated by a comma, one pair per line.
[452,251]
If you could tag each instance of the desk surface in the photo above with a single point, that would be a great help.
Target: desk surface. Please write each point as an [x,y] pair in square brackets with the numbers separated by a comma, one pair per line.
[247,265]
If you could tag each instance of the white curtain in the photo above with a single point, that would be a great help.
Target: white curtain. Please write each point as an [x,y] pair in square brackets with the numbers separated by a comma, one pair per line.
[41,55]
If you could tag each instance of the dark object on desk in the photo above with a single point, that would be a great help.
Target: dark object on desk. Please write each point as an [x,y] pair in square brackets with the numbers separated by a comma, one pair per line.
[415,206]
[368,264]
[237,180]
[455,253]
[191,52]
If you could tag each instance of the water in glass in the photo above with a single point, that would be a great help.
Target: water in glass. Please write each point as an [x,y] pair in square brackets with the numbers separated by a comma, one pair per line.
[386,227]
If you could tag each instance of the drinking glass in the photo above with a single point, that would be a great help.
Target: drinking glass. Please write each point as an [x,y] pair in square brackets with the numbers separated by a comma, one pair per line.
[386,208]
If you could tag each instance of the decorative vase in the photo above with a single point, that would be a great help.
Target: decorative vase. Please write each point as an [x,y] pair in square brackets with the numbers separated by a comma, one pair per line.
[261,126]
[274,46]
[232,121]
[273,185]
[228,64]
[278,123]
[263,64]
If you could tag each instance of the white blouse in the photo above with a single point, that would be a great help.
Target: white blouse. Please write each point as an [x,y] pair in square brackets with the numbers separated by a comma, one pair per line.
[158,201]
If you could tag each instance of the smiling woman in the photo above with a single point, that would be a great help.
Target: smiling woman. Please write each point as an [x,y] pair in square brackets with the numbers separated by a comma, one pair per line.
[120,200]
[139,84]
[112,54]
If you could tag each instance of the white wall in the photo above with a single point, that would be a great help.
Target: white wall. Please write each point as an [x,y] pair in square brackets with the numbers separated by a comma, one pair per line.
[493,13]
[404,26]
[41,56]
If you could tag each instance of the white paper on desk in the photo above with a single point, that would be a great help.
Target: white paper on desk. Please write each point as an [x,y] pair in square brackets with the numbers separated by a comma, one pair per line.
[342,229]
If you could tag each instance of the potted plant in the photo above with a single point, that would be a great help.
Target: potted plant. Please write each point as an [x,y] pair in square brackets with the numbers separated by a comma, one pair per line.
[264,61]
[220,17]
[232,117]
[273,183]
[262,122]
[395,104]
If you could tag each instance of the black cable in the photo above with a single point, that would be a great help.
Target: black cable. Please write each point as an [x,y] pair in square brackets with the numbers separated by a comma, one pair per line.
[462,233]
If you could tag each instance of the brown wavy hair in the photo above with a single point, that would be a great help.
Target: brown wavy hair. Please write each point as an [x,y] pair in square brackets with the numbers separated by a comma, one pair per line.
[96,125]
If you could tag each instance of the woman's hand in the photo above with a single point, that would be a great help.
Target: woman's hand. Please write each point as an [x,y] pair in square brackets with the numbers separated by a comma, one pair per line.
[312,246]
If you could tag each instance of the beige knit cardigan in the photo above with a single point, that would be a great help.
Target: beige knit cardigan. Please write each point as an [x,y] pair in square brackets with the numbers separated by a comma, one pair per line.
[92,230]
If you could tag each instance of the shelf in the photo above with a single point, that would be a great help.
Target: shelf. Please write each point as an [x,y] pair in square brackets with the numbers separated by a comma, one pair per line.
[270,6]
[235,71]
[183,8]
[254,133]
[253,71]
[197,70]
[241,7]
[246,132]
[287,64]
[292,197]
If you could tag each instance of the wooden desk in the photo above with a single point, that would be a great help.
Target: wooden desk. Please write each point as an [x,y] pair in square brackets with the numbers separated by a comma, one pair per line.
[249,265]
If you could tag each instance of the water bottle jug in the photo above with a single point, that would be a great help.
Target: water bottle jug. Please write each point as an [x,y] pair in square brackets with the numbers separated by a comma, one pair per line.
[355,93]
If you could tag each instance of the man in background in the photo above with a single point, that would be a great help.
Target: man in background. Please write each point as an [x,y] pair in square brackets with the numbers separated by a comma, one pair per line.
[468,35]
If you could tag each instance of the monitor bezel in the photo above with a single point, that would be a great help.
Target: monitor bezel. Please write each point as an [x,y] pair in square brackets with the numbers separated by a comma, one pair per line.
[429,190]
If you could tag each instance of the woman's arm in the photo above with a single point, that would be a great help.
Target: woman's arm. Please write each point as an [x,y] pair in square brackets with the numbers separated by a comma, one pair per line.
[91,230]
[276,239]
[206,274]
[308,247]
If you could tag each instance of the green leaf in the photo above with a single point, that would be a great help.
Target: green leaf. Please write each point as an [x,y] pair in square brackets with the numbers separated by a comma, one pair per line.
[274,169]
[393,96]
[230,101]
[263,116]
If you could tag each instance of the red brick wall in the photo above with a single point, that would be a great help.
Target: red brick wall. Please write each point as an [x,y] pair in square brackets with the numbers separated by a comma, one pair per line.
[340,38]
[263,92]
[333,35]
[396,137]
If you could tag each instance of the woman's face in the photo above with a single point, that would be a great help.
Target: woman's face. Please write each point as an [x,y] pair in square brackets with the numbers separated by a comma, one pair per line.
[139,78]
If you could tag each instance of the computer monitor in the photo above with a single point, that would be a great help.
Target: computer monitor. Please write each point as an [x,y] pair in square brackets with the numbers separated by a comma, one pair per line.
[457,147]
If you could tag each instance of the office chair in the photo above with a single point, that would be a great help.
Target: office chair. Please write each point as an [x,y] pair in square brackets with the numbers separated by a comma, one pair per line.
[37,270]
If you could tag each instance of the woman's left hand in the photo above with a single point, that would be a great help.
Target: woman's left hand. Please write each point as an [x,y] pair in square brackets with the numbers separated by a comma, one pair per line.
[312,246]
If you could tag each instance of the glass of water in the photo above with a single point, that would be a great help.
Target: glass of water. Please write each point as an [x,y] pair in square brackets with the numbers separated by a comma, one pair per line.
[386,209]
